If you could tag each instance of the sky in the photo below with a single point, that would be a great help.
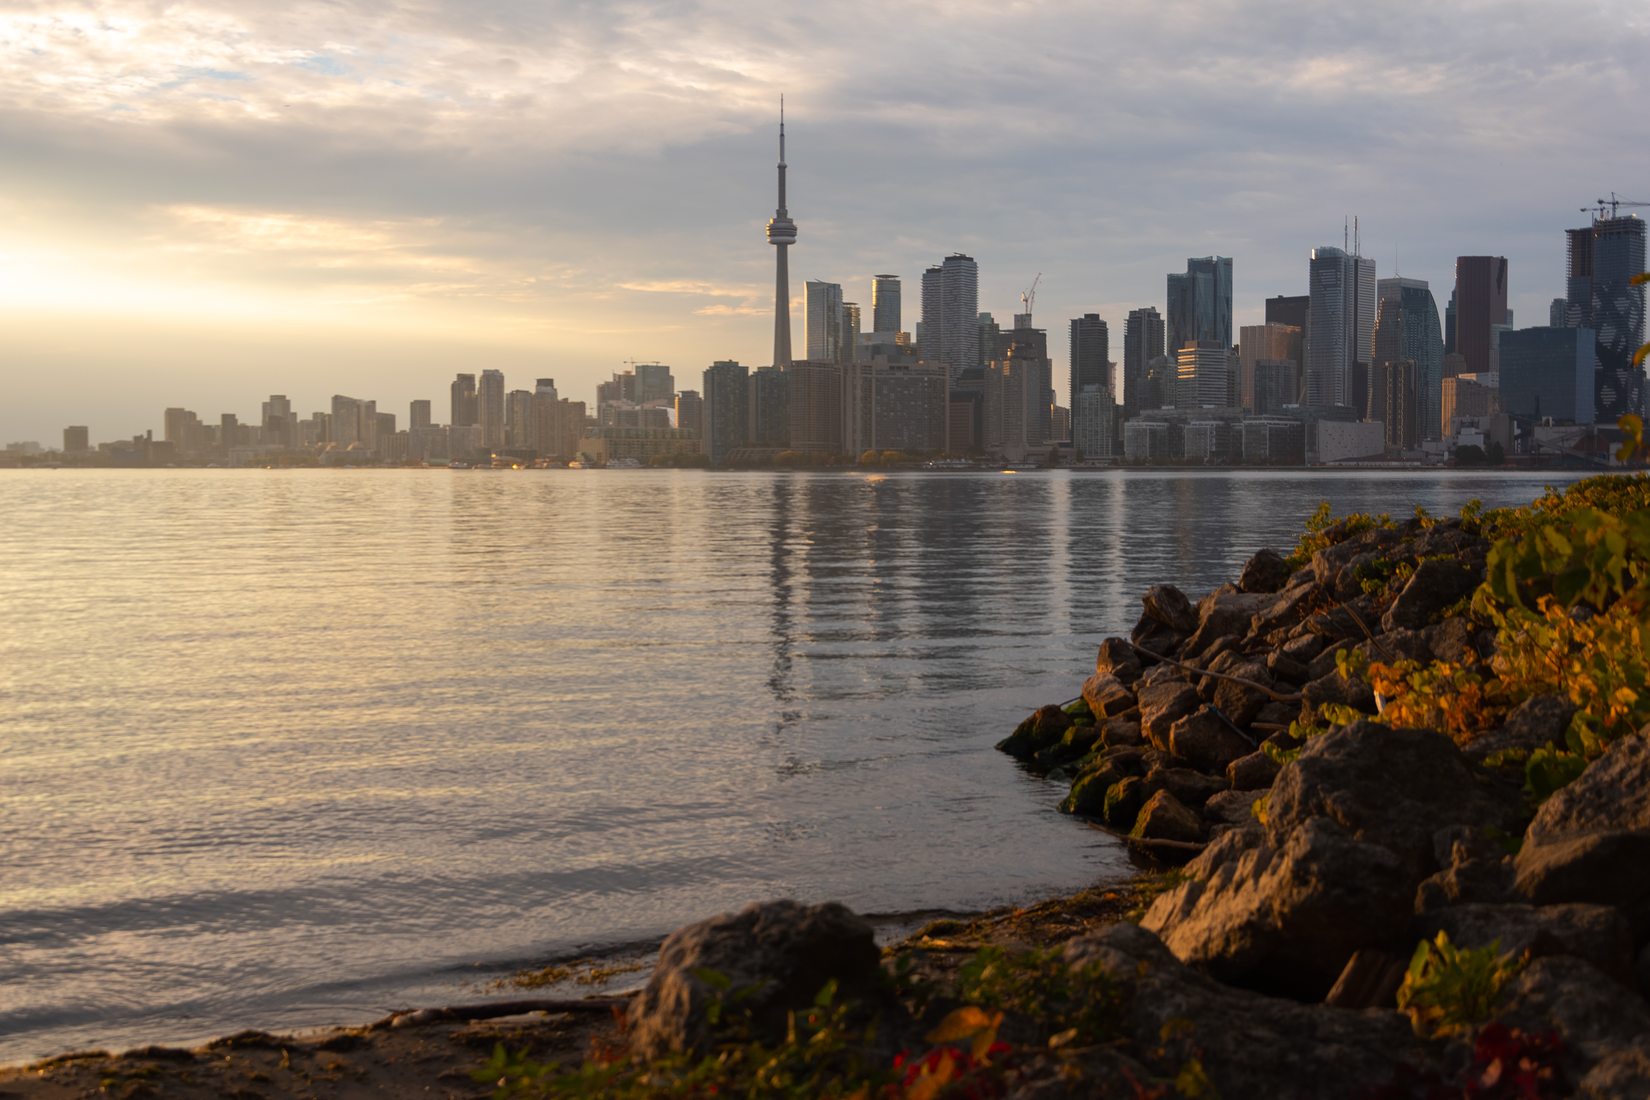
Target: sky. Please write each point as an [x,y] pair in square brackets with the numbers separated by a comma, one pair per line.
[205,203]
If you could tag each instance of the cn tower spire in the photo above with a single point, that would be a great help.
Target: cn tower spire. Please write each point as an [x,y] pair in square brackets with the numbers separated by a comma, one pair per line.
[781,234]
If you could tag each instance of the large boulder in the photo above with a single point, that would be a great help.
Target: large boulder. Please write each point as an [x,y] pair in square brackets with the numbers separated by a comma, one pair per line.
[1246,1044]
[1389,786]
[1436,584]
[1590,842]
[1207,741]
[1042,728]
[1168,605]
[1265,572]
[1107,696]
[1537,722]
[1284,917]
[1118,658]
[1254,772]
[1162,704]
[771,957]
[1225,614]
[1165,817]
[1189,786]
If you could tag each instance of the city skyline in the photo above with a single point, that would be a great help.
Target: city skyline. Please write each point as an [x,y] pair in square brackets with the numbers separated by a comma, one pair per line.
[373,211]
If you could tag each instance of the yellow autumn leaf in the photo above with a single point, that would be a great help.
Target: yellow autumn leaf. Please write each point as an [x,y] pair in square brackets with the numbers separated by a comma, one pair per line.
[964,1023]
[931,1082]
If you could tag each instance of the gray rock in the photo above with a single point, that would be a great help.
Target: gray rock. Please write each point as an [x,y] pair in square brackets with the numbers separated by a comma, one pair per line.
[1450,640]
[1044,727]
[1612,794]
[1265,572]
[1470,875]
[1597,934]
[1333,688]
[1121,732]
[1074,744]
[1389,786]
[1151,639]
[1285,668]
[1284,917]
[1122,803]
[1107,696]
[1225,615]
[1604,868]
[1231,807]
[1164,817]
[777,955]
[1192,788]
[1276,713]
[1163,704]
[1324,663]
[1623,1075]
[1128,759]
[1088,792]
[1247,1044]
[1254,772]
[1436,584]
[1596,1019]
[1168,605]
[1207,742]
[1304,648]
[1538,721]
[1118,658]
[1392,646]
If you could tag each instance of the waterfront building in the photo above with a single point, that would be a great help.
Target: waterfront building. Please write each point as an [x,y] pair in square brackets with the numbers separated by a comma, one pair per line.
[1200,303]
[1092,419]
[965,413]
[781,234]
[606,443]
[490,408]
[1090,366]
[885,311]
[1465,398]
[464,410]
[690,411]
[768,408]
[1279,346]
[1209,441]
[519,433]
[822,321]
[1548,374]
[950,314]
[1149,442]
[77,438]
[1480,304]
[1407,327]
[1203,375]
[1014,388]
[1340,328]
[848,339]
[1142,342]
[1394,400]
[1273,441]
[418,414]
[1603,258]
[725,409]
[654,384]
[816,407]
[902,407]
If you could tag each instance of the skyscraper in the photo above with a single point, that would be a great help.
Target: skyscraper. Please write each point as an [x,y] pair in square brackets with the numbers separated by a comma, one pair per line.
[781,234]
[1407,327]
[951,313]
[885,303]
[1604,257]
[1340,327]
[418,415]
[1142,342]
[1090,366]
[1200,303]
[822,321]
[463,401]
[1480,305]
[724,411]
[490,408]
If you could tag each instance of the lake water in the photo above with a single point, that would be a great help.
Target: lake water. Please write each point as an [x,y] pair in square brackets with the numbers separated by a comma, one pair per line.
[289,748]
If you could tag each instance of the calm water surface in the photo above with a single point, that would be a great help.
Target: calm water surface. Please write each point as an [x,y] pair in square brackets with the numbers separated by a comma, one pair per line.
[289,748]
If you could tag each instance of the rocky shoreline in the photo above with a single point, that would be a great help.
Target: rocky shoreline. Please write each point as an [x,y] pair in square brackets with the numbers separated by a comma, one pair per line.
[1394,795]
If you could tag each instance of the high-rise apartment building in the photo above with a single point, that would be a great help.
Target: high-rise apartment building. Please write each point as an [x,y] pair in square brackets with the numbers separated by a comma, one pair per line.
[822,320]
[816,408]
[1601,296]
[1407,327]
[1090,366]
[520,432]
[464,412]
[1268,388]
[654,384]
[1548,374]
[848,342]
[885,314]
[1200,303]
[76,438]
[490,408]
[690,412]
[1340,328]
[950,314]
[418,415]
[725,415]
[768,408]
[1480,305]
[1142,342]
[1204,376]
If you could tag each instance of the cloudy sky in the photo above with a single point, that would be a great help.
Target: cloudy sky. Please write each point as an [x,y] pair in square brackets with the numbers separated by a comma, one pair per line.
[203,203]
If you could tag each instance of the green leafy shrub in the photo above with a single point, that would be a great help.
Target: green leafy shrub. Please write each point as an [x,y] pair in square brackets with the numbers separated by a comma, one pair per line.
[1452,990]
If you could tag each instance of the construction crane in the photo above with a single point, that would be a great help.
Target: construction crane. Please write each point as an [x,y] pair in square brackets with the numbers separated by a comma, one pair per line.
[1028,296]
[1613,204]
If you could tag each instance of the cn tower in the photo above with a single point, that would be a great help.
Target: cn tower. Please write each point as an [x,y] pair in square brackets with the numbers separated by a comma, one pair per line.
[782,234]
